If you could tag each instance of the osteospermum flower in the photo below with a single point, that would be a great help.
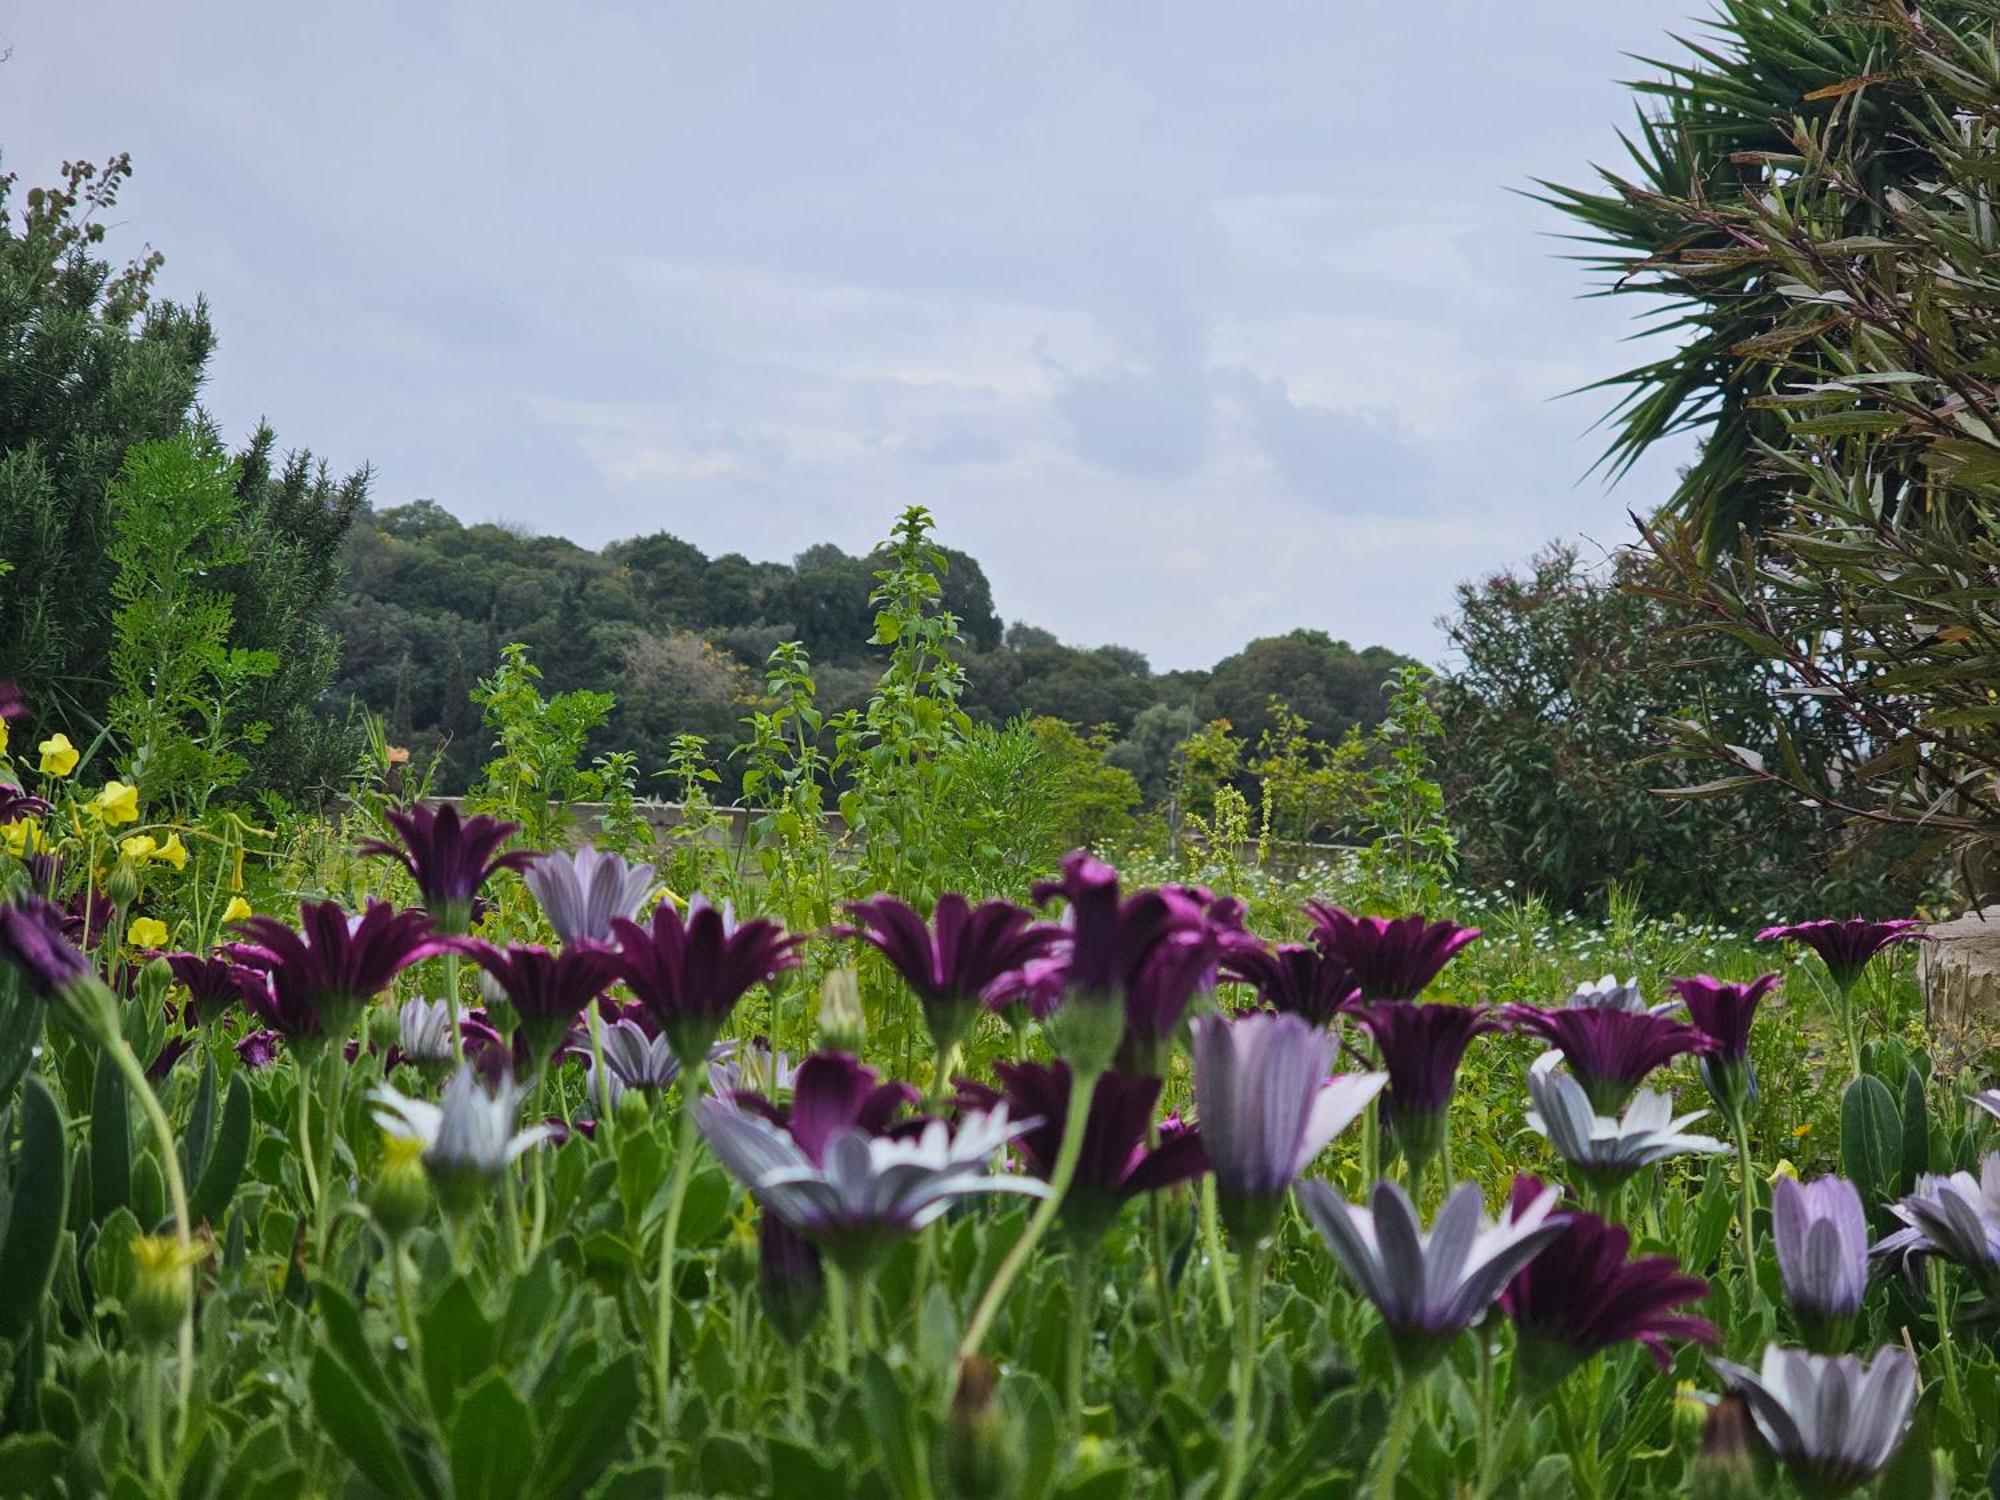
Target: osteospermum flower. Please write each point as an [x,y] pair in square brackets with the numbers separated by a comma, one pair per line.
[546,991]
[468,1136]
[1116,1165]
[1608,992]
[1832,1421]
[324,973]
[1955,1217]
[1113,996]
[1605,1149]
[1845,947]
[423,1031]
[1821,1233]
[951,961]
[216,985]
[1300,979]
[689,971]
[1428,1287]
[449,859]
[1722,1012]
[1390,959]
[1421,1046]
[259,1048]
[16,804]
[32,941]
[1268,1105]
[1582,1295]
[1611,1052]
[637,1061]
[864,1192]
[581,893]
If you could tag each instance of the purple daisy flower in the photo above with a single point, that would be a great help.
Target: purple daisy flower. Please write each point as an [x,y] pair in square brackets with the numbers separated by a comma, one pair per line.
[1421,1046]
[1268,1105]
[1821,1233]
[950,962]
[1299,979]
[33,941]
[258,1049]
[1582,1295]
[16,804]
[216,986]
[324,973]
[1391,959]
[1116,1165]
[546,991]
[580,893]
[449,859]
[1834,1423]
[1610,1052]
[690,971]
[87,916]
[1846,947]
[1722,1012]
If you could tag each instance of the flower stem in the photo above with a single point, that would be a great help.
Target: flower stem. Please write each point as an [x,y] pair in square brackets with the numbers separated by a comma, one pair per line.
[1156,1217]
[1849,1027]
[1211,1241]
[1246,1371]
[1082,1321]
[451,1005]
[128,1064]
[1946,1356]
[306,1155]
[1082,1085]
[670,1229]
[1389,1458]
[1747,1173]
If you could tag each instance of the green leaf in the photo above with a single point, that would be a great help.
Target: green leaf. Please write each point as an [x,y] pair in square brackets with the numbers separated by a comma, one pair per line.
[355,1426]
[1916,1131]
[223,1169]
[591,1428]
[201,1122]
[37,1212]
[110,1142]
[1871,1137]
[458,1344]
[492,1442]
[348,1340]
[892,1417]
[29,1463]
[21,1014]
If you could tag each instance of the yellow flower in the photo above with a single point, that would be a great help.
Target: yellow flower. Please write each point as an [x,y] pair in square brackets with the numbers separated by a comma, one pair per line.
[1802,1130]
[138,848]
[146,932]
[3,736]
[116,803]
[665,895]
[236,910]
[59,756]
[24,837]
[172,852]
[1784,1169]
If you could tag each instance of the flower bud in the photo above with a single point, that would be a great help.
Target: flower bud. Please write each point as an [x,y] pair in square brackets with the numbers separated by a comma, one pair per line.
[791,1284]
[401,1195]
[737,1265]
[842,1027]
[633,1109]
[385,1028]
[977,1452]
[1727,1466]
[162,1288]
[121,886]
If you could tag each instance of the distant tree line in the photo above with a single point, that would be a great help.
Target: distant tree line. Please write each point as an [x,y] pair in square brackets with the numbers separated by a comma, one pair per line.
[681,639]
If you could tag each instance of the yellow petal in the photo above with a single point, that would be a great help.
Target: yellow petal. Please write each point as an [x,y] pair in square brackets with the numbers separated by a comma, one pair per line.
[146,932]
[59,756]
[138,848]
[172,852]
[236,910]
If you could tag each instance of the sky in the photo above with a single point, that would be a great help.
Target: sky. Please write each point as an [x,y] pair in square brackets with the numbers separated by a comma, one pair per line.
[1192,322]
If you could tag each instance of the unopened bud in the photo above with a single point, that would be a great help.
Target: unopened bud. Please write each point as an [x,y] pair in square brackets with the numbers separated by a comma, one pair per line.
[1727,1465]
[977,1454]
[791,1284]
[842,1027]
[121,886]
[162,1288]
[401,1195]
[738,1264]
[385,1029]
[633,1109]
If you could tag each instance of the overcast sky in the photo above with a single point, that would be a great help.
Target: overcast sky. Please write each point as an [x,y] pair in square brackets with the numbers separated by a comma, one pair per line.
[1192,321]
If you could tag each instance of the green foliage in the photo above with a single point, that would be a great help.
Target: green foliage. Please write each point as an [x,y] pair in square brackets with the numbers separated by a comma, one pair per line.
[1310,789]
[173,510]
[1554,716]
[1862,352]
[94,368]
[538,771]
[1414,851]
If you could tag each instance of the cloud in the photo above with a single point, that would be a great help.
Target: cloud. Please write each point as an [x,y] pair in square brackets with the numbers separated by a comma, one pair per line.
[1348,462]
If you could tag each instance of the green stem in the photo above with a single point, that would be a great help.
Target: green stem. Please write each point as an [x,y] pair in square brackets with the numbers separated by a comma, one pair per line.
[1849,1027]
[670,1229]
[1953,1392]
[862,1290]
[1246,1371]
[843,1356]
[1156,1217]
[1082,1322]
[1749,1209]
[170,1166]
[451,1004]
[1082,1085]
[306,1153]
[1211,1241]
[1389,1459]
[152,1380]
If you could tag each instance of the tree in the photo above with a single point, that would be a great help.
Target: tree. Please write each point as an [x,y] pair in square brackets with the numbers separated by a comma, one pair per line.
[1326,682]
[91,367]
